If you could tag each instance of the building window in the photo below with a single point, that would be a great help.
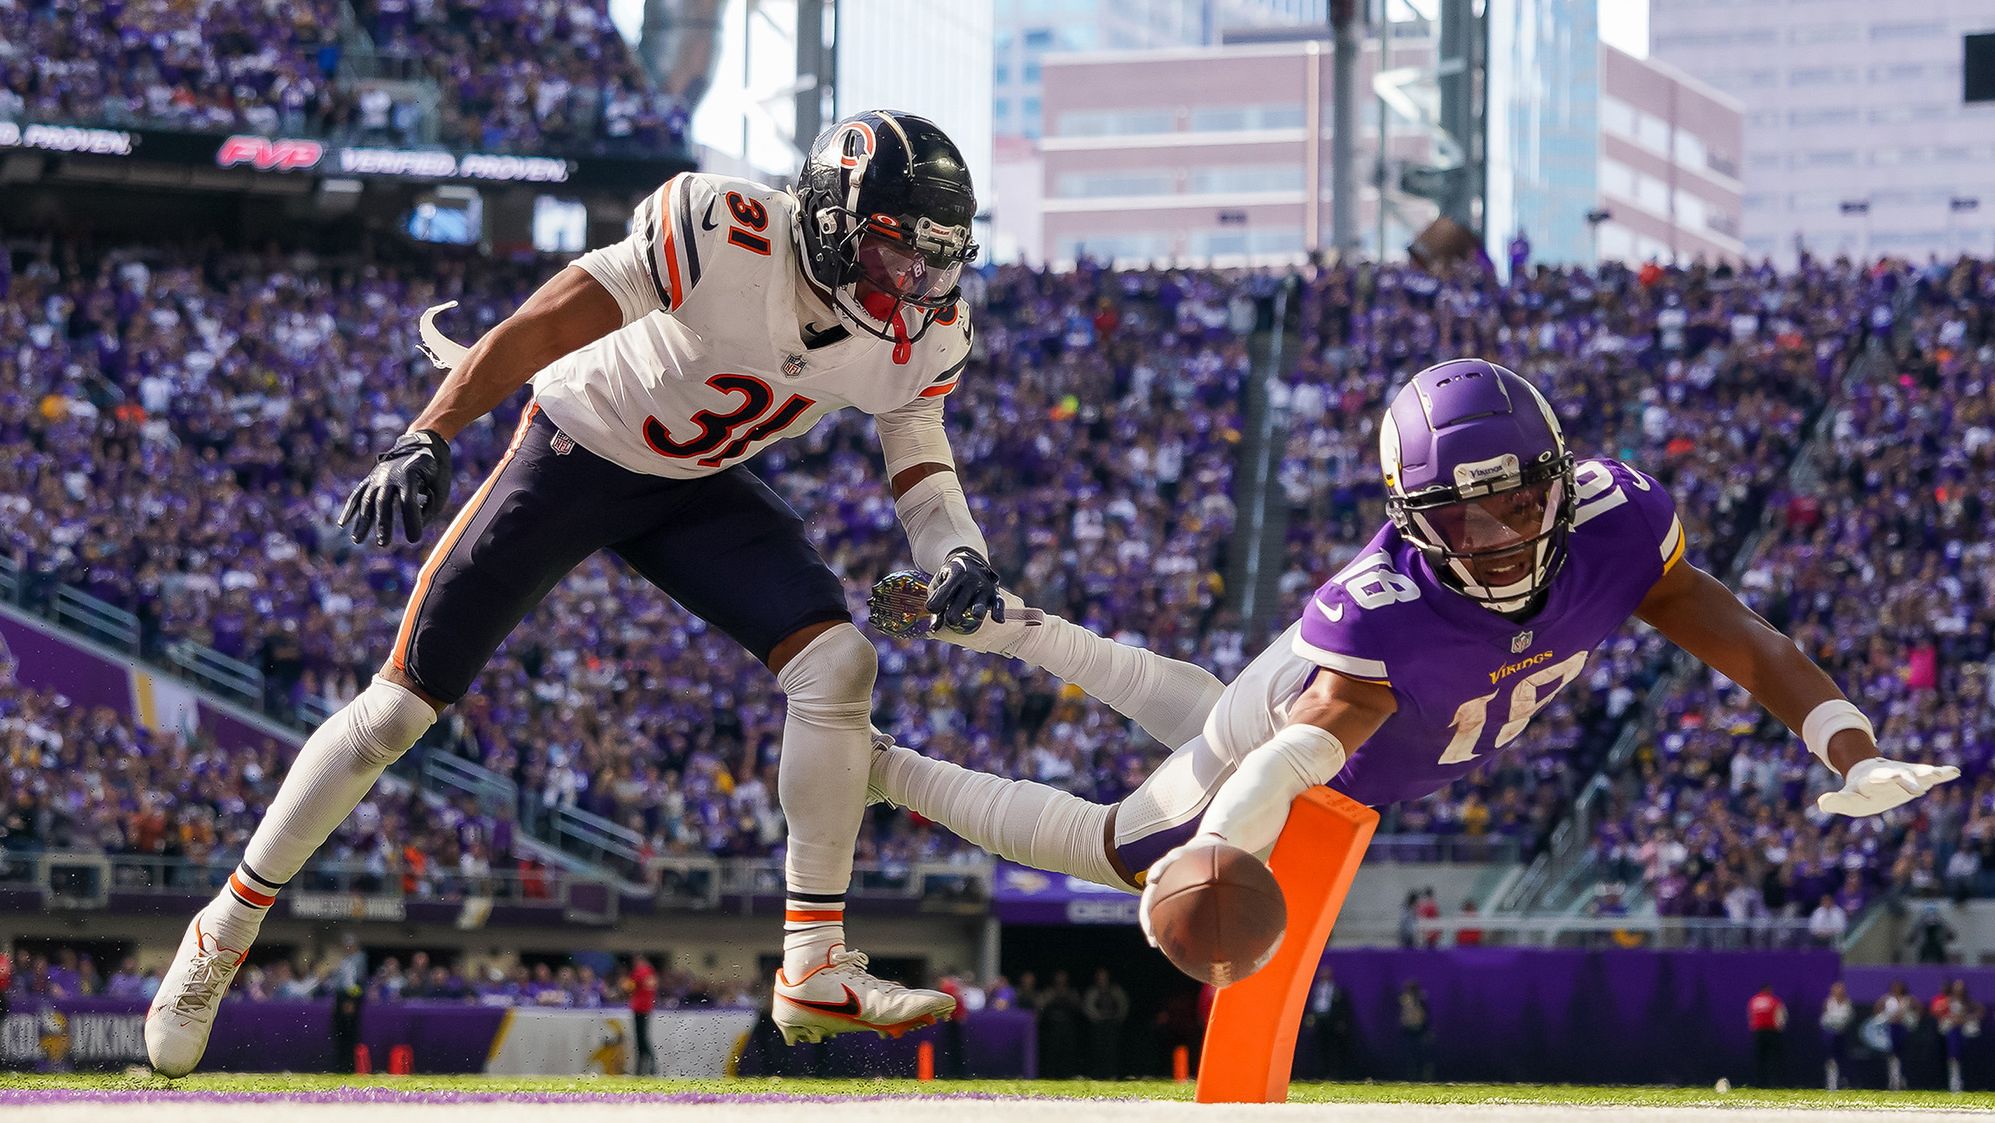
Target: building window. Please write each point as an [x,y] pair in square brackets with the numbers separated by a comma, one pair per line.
[1242,118]
[1900,32]
[1095,185]
[1029,117]
[1113,122]
[1246,180]
[1804,117]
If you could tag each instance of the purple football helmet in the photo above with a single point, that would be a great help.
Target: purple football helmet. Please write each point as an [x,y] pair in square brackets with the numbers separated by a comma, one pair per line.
[1477,476]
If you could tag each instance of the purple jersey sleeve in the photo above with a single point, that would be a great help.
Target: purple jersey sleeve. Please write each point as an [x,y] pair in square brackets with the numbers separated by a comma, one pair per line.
[1346,623]
[1632,510]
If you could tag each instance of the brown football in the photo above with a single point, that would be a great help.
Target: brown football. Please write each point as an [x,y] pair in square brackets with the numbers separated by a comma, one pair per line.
[1218,914]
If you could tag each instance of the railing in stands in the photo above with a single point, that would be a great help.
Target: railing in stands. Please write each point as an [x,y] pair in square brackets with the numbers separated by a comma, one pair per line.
[1412,848]
[100,620]
[327,890]
[208,668]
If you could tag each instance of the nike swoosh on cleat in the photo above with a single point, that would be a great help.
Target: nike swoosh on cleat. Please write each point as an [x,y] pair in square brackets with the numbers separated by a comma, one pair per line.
[848,1008]
[706,220]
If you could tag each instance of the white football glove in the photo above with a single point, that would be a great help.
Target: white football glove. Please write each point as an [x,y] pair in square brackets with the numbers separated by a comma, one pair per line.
[1877,785]
[1157,871]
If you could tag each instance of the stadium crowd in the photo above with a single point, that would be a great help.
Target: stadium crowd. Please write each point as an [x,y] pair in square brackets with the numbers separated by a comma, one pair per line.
[1702,377]
[1880,564]
[584,982]
[88,779]
[261,64]
[186,428]
[521,76]
[529,75]
[185,425]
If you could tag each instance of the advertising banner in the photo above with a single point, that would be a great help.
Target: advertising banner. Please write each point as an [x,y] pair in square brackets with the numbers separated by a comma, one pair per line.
[281,155]
[1022,895]
[534,1042]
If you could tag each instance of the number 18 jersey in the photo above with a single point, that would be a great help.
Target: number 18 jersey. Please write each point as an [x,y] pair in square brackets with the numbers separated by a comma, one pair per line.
[1467,680]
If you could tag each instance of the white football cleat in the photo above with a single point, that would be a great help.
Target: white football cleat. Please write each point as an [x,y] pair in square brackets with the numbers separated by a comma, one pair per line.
[839,996]
[183,1012]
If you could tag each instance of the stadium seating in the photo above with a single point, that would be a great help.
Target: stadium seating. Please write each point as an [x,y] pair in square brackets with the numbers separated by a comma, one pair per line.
[180,431]
[1879,566]
[1699,377]
[529,77]
[207,65]
[514,76]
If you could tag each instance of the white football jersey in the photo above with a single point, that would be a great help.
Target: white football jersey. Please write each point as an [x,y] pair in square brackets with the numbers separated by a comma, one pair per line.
[710,366]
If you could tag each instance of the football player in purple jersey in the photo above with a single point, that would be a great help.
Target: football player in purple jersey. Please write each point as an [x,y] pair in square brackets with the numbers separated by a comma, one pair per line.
[1505,562]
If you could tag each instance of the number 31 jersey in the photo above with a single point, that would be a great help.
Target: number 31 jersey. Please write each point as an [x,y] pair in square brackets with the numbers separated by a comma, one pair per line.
[710,366]
[1467,680]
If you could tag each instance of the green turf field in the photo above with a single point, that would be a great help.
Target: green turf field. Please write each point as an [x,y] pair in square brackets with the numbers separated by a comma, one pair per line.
[1368,1093]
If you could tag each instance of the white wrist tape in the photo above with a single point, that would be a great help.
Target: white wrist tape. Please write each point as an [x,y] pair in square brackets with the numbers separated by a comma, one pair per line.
[1252,805]
[937,518]
[1829,719]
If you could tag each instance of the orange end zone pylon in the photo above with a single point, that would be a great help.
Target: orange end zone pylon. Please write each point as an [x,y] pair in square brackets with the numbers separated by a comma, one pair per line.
[1250,1041]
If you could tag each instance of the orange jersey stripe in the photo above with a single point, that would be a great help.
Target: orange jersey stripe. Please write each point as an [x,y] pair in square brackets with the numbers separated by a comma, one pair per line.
[399,656]
[811,916]
[938,391]
[671,243]
[263,900]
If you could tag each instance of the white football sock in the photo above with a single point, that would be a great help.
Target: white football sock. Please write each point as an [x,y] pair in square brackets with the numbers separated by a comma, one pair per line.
[339,763]
[1169,698]
[1035,824]
[821,783]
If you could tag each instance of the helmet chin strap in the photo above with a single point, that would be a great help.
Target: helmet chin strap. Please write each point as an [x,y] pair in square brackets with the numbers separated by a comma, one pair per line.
[883,308]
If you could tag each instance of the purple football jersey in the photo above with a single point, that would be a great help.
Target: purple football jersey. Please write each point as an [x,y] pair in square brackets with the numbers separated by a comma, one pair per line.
[1467,680]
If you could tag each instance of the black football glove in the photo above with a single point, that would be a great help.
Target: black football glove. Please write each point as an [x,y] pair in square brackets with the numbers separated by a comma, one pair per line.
[964,591]
[412,477]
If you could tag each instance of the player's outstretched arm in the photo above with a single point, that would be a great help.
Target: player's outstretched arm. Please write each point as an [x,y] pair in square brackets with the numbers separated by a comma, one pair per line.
[412,479]
[1251,807]
[1699,614]
[1327,723]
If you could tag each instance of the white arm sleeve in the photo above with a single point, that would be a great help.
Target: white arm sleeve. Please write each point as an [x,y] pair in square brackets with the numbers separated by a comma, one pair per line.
[934,510]
[1252,805]
[938,520]
[623,268]
[913,434]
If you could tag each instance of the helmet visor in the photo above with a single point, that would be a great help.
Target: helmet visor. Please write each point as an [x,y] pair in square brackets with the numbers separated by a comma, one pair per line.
[1494,525]
[899,270]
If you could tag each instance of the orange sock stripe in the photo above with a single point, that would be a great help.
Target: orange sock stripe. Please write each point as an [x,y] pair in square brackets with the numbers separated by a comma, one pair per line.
[812,916]
[261,900]
[398,656]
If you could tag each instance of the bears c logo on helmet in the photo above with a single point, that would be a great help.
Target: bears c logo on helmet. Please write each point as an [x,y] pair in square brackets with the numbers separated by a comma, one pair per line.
[856,146]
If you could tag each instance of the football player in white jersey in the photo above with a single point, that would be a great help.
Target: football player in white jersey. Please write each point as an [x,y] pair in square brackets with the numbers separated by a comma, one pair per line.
[733,316]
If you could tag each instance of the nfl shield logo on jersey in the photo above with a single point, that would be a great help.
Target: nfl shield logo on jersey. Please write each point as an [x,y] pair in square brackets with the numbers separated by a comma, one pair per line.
[562,444]
[793,366]
[1520,641]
